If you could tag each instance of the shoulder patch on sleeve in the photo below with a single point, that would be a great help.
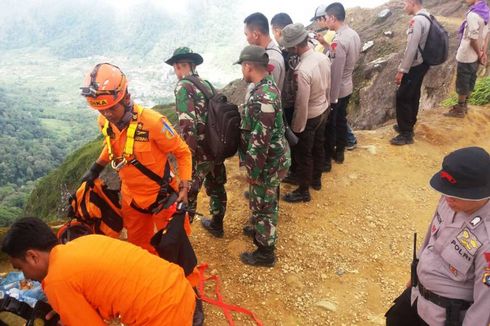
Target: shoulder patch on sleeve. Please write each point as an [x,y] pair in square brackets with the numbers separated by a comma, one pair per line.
[167,129]
[333,49]
[486,277]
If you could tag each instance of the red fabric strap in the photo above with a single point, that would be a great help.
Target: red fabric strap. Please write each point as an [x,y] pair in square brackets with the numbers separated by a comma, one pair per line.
[226,308]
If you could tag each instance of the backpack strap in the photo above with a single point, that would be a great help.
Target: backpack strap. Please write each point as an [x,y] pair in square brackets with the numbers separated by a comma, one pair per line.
[424,15]
[196,81]
[430,20]
[273,49]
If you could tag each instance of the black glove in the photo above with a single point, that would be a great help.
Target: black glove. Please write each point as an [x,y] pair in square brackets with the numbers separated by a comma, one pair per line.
[92,173]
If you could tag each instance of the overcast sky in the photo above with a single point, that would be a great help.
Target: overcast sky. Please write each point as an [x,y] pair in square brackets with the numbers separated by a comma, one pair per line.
[299,10]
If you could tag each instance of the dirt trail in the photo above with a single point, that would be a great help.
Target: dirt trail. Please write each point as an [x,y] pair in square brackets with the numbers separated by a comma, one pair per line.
[349,249]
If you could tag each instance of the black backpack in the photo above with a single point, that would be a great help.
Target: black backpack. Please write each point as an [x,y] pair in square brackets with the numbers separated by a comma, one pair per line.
[223,126]
[436,47]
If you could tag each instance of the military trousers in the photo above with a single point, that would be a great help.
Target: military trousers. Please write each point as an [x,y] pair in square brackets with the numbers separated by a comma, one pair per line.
[408,98]
[213,176]
[336,129]
[263,202]
[309,153]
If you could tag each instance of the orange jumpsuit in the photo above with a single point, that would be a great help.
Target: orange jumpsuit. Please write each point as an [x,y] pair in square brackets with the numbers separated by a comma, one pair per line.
[154,140]
[96,278]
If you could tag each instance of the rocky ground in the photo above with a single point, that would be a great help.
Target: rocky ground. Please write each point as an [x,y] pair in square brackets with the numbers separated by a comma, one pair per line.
[343,257]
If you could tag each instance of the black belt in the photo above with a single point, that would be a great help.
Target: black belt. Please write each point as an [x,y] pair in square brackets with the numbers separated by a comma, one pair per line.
[163,201]
[453,307]
[442,301]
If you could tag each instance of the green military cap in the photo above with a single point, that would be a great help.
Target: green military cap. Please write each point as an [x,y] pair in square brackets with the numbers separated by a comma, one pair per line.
[185,54]
[253,53]
[293,34]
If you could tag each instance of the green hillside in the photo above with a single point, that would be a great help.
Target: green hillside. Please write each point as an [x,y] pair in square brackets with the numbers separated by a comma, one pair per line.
[34,139]
[50,196]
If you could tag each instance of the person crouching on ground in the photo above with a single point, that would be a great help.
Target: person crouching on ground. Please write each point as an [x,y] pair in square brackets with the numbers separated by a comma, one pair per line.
[95,278]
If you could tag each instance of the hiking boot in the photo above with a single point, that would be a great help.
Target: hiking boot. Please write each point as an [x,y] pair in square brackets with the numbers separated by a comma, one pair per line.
[213,227]
[339,157]
[262,256]
[402,139]
[290,179]
[457,111]
[397,129]
[298,195]
[316,185]
[249,231]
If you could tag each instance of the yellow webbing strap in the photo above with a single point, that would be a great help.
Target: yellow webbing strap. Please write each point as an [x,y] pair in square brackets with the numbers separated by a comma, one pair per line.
[107,139]
[128,147]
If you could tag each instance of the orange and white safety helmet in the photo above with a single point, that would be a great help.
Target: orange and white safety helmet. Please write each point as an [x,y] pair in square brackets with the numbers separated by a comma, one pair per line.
[105,86]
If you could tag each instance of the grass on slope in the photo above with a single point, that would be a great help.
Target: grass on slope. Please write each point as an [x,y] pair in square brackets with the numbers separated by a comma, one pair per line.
[480,96]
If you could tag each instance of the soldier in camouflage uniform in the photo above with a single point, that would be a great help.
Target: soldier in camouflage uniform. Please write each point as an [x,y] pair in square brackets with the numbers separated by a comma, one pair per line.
[264,152]
[191,110]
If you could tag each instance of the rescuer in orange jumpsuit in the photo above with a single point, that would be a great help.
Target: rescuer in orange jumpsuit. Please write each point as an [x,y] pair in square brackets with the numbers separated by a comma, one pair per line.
[136,137]
[95,278]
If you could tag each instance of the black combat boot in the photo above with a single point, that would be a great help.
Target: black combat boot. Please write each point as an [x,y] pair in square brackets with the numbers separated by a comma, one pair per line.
[317,184]
[327,166]
[214,225]
[262,256]
[339,156]
[404,138]
[397,129]
[302,194]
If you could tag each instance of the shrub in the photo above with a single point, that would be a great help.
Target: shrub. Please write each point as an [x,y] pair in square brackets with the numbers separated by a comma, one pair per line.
[480,96]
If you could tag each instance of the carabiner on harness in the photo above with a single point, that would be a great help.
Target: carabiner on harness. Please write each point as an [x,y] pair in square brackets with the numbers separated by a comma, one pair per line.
[120,162]
[118,166]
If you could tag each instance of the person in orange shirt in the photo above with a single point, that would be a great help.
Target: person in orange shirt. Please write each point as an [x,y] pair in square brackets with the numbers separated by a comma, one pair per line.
[94,278]
[137,144]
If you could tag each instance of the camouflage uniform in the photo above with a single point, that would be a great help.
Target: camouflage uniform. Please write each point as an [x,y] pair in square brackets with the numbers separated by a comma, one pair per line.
[191,110]
[264,152]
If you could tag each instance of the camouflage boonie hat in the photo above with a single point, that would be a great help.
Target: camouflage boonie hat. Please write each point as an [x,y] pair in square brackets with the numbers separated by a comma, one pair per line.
[185,54]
